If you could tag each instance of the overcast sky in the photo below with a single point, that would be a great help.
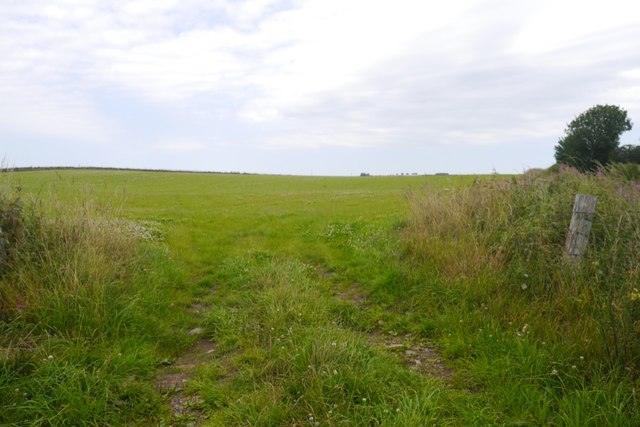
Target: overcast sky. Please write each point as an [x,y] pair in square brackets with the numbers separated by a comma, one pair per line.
[322,87]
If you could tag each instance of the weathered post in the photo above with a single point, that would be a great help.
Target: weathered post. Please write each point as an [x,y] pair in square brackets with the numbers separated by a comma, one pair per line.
[584,208]
[3,252]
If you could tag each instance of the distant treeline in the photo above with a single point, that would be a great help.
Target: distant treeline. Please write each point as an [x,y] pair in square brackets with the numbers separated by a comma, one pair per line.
[44,168]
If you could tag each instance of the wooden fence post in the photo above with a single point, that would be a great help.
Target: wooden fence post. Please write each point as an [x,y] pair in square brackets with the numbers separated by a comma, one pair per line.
[584,208]
[3,249]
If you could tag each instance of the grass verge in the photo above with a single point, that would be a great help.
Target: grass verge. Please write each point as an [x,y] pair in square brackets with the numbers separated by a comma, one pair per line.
[553,342]
[85,315]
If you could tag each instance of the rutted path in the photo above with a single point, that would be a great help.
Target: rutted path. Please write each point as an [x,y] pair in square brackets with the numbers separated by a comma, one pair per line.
[180,379]
[186,407]
[415,353]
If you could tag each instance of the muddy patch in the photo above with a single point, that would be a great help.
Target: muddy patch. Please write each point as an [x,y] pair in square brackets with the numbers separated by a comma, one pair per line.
[186,409]
[353,294]
[418,355]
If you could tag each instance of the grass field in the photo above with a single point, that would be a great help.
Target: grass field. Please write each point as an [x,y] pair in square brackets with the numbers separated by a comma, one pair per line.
[275,300]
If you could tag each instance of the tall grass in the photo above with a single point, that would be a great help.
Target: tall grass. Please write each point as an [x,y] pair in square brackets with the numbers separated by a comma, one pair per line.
[82,316]
[496,249]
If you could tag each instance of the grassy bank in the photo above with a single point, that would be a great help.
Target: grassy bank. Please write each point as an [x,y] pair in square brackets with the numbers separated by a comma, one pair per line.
[551,340]
[85,314]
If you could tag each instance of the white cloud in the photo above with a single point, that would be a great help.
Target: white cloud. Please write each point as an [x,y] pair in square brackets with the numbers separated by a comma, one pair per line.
[313,73]
[554,25]
[181,146]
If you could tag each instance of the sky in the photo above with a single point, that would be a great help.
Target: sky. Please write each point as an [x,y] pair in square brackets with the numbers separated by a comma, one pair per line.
[309,87]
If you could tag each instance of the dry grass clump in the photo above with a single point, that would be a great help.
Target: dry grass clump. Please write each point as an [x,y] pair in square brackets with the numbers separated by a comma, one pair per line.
[69,253]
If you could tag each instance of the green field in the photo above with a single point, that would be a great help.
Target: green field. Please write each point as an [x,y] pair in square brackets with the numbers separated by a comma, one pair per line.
[277,300]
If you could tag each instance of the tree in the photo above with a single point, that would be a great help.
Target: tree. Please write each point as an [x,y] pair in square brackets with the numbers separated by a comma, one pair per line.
[627,154]
[593,137]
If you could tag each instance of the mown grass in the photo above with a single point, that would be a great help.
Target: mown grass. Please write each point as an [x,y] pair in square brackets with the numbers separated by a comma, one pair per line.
[270,256]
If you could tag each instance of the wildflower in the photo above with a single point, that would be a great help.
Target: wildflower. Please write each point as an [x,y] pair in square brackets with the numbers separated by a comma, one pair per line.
[574,367]
[635,295]
[397,409]
[50,357]
[554,372]
[581,357]
[335,372]
[364,399]
[333,344]
[523,286]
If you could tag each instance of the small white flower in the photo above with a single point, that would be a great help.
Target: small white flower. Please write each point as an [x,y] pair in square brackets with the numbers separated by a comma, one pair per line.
[523,286]
[364,399]
[50,357]
[554,372]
